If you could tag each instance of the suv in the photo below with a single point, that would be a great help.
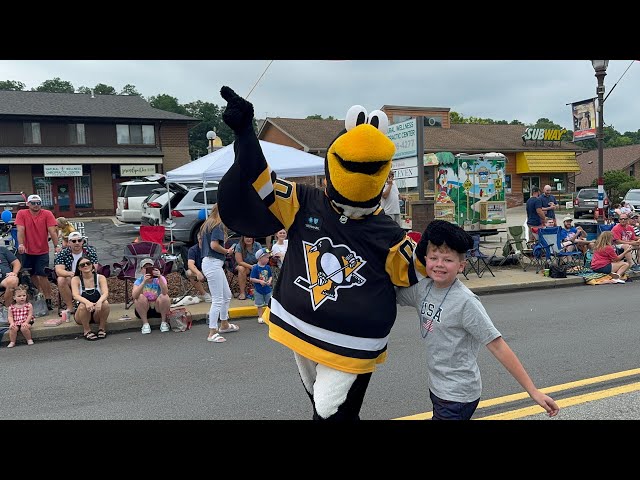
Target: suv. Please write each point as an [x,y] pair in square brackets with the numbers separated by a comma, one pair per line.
[633,199]
[186,204]
[586,201]
[13,201]
[130,197]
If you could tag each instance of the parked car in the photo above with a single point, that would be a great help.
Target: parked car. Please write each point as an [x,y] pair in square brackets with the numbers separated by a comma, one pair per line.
[130,198]
[633,198]
[186,203]
[13,201]
[586,202]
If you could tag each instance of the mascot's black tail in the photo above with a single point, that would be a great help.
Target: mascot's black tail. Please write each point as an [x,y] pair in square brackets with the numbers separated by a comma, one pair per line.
[243,207]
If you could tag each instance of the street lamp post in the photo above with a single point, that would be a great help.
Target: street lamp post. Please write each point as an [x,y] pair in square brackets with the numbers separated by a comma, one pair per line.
[600,66]
[211,136]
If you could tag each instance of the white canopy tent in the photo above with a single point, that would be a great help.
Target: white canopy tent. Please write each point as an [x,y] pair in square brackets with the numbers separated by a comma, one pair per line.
[285,161]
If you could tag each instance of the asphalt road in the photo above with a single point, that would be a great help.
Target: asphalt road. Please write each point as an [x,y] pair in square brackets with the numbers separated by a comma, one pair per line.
[561,335]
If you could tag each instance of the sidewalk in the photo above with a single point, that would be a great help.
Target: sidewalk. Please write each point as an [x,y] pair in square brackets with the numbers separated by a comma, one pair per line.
[507,279]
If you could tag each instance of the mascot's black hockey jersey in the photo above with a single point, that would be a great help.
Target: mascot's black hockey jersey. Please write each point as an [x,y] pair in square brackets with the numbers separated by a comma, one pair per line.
[334,302]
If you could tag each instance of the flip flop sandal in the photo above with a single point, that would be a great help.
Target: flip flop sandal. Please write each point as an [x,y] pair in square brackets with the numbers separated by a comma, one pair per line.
[90,336]
[216,338]
[232,328]
[102,334]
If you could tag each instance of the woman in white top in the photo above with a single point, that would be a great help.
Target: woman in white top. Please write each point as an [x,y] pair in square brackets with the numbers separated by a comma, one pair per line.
[279,249]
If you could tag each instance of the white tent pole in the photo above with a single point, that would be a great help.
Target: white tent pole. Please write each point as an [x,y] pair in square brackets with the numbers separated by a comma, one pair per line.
[170,221]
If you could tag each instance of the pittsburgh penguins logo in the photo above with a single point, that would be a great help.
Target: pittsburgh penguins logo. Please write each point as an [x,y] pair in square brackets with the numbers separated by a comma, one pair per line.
[329,268]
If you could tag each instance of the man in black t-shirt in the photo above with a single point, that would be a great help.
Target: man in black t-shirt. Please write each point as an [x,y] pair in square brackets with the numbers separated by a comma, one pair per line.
[9,269]
[535,215]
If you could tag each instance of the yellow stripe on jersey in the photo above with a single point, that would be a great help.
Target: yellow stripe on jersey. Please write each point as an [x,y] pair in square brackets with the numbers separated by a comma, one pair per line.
[263,184]
[286,205]
[400,260]
[333,360]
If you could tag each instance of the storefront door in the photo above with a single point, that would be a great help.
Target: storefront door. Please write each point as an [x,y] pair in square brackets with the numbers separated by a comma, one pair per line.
[527,183]
[63,197]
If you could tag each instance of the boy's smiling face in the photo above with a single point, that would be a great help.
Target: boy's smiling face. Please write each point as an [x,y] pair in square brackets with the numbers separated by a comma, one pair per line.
[443,264]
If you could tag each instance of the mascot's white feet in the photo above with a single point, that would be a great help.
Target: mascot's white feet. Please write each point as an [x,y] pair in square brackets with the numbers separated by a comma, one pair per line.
[328,386]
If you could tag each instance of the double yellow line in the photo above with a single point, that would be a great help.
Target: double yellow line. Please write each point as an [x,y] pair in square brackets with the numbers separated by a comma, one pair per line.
[563,403]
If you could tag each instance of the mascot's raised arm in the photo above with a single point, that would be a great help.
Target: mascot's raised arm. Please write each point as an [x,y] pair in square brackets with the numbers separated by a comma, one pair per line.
[334,303]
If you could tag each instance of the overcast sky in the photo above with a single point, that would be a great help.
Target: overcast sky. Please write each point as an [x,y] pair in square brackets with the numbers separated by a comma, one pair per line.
[524,90]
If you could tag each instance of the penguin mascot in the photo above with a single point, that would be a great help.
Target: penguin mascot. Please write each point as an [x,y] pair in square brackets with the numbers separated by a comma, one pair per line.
[334,303]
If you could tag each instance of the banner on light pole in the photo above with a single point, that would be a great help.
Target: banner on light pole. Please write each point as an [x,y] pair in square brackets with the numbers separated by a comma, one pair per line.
[584,119]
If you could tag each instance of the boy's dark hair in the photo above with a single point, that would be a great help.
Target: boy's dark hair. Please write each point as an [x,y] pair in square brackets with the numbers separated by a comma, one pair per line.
[440,232]
[535,189]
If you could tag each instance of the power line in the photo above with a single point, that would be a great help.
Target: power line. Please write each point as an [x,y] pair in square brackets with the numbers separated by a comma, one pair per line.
[605,98]
[254,86]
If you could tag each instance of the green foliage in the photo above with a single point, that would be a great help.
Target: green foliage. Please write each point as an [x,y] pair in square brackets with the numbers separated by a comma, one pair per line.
[12,85]
[55,86]
[319,117]
[84,90]
[167,103]
[129,89]
[623,188]
[615,183]
[102,89]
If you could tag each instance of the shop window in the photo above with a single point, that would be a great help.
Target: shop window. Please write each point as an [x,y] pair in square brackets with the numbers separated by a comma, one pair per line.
[559,182]
[44,190]
[82,186]
[4,178]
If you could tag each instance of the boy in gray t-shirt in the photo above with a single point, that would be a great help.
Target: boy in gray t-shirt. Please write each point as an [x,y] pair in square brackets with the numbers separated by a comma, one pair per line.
[455,324]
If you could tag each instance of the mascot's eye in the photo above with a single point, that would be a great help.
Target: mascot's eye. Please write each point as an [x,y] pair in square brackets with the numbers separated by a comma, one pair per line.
[357,115]
[379,120]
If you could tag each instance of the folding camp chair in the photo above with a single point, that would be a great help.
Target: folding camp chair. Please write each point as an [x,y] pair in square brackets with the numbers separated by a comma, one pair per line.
[171,251]
[129,270]
[477,260]
[415,236]
[517,247]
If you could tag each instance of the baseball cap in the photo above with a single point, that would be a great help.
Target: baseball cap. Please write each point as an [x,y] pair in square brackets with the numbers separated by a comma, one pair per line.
[262,252]
[34,198]
[146,261]
[74,235]
[568,218]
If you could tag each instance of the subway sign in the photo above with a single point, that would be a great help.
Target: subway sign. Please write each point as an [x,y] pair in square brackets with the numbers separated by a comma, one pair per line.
[544,134]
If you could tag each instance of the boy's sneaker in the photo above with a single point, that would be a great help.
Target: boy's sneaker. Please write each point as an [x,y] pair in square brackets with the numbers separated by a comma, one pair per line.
[260,320]
[635,268]
[164,327]
[146,328]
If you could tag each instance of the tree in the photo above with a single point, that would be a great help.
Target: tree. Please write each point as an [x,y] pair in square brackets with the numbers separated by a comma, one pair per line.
[12,85]
[102,89]
[167,103]
[84,90]
[55,86]
[129,89]
[319,117]
[613,182]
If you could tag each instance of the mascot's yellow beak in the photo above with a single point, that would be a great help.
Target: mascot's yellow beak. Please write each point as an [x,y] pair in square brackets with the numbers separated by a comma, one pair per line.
[358,164]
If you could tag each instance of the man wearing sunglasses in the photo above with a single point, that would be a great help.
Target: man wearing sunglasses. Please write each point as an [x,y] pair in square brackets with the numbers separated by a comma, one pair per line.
[65,264]
[35,226]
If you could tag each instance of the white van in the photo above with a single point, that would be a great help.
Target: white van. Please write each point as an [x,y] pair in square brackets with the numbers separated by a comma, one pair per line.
[130,197]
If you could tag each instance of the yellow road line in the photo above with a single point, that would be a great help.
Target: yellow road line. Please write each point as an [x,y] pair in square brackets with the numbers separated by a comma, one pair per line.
[556,388]
[565,402]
